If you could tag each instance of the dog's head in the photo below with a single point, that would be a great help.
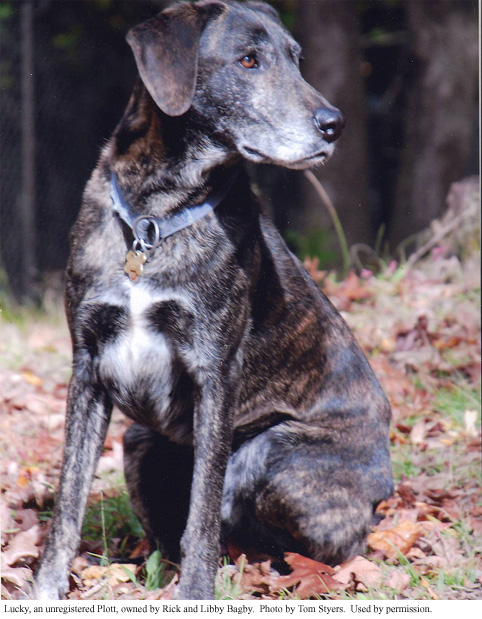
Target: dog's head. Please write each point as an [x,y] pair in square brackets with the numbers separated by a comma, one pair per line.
[237,68]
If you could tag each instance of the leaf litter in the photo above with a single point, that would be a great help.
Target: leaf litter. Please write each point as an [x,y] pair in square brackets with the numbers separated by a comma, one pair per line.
[420,329]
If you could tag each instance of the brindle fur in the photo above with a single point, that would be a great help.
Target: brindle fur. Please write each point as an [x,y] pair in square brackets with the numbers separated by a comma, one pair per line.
[233,365]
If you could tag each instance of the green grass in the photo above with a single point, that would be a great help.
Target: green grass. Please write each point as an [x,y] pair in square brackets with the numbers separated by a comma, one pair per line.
[47,305]
[155,571]
[455,401]
[18,315]
[403,462]
[228,587]
[111,517]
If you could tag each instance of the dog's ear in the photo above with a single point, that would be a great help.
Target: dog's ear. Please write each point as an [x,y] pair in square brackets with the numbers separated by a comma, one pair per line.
[166,52]
[264,8]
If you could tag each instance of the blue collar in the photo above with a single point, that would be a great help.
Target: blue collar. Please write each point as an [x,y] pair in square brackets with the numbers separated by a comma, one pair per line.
[149,231]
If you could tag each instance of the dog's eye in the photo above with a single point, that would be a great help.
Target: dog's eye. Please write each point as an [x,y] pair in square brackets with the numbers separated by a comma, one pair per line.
[249,61]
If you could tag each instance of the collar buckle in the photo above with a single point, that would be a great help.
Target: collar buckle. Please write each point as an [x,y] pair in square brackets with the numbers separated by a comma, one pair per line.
[147,234]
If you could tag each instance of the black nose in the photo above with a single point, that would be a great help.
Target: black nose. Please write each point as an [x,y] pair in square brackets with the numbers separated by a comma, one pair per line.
[330,122]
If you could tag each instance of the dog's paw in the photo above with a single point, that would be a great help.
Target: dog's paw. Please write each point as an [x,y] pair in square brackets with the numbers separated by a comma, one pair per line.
[46,589]
[193,591]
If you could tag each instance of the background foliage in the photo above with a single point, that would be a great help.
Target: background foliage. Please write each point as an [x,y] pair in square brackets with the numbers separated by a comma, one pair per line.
[404,74]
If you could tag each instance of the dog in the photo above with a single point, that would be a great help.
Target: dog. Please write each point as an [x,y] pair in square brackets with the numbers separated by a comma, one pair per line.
[257,418]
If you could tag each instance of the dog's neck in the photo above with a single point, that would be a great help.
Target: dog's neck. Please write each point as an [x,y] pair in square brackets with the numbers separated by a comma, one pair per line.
[163,164]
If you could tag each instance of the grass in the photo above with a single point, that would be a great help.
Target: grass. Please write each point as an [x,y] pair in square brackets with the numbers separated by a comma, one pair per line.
[111,517]
[402,463]
[456,401]
[227,586]
[441,583]
[49,308]
[451,404]
[459,575]
[155,572]
[409,461]
[317,244]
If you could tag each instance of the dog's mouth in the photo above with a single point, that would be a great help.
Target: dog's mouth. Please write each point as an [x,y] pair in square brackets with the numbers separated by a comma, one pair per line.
[305,162]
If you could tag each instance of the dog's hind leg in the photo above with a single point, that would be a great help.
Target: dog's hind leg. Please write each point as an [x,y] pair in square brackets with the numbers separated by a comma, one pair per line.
[88,415]
[288,492]
[158,475]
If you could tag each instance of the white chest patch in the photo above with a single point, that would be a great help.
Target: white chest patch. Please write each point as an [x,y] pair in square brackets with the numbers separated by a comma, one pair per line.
[140,352]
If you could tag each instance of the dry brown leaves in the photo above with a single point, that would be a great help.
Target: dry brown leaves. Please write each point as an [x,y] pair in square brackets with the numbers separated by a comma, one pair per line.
[422,324]
[311,579]
[395,540]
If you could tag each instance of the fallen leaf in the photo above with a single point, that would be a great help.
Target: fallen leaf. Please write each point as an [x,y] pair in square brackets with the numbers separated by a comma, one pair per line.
[92,573]
[398,581]
[22,546]
[52,421]
[114,573]
[31,378]
[312,577]
[26,519]
[445,546]
[166,592]
[19,576]
[78,565]
[120,572]
[141,549]
[441,344]
[8,523]
[470,418]
[112,461]
[476,526]
[343,293]
[418,432]
[26,475]
[429,588]
[312,265]
[353,289]
[253,577]
[436,562]
[406,493]
[362,571]
[416,554]
[397,539]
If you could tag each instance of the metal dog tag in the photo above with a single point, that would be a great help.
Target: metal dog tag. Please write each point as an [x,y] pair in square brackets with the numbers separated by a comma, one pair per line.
[134,265]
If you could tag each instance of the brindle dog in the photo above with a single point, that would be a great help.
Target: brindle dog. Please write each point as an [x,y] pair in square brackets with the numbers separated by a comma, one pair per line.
[255,411]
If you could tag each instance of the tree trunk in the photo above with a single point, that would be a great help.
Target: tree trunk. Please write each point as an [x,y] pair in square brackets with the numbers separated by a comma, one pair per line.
[329,33]
[439,111]
[24,288]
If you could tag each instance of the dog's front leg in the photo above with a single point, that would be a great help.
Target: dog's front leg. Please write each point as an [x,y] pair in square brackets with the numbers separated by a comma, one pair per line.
[88,414]
[213,421]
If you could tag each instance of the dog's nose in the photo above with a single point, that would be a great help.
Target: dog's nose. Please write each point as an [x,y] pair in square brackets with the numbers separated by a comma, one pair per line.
[330,122]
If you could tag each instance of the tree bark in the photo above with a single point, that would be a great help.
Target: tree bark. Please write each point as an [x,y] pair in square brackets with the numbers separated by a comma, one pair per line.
[22,281]
[439,111]
[329,33]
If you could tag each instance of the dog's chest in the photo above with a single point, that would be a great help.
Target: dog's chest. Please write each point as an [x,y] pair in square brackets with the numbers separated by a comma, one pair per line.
[131,350]
[138,356]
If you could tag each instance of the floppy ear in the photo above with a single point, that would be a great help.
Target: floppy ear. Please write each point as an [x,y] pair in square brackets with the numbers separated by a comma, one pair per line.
[166,52]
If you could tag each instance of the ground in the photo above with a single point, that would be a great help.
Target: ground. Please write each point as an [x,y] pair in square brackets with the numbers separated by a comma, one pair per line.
[419,326]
